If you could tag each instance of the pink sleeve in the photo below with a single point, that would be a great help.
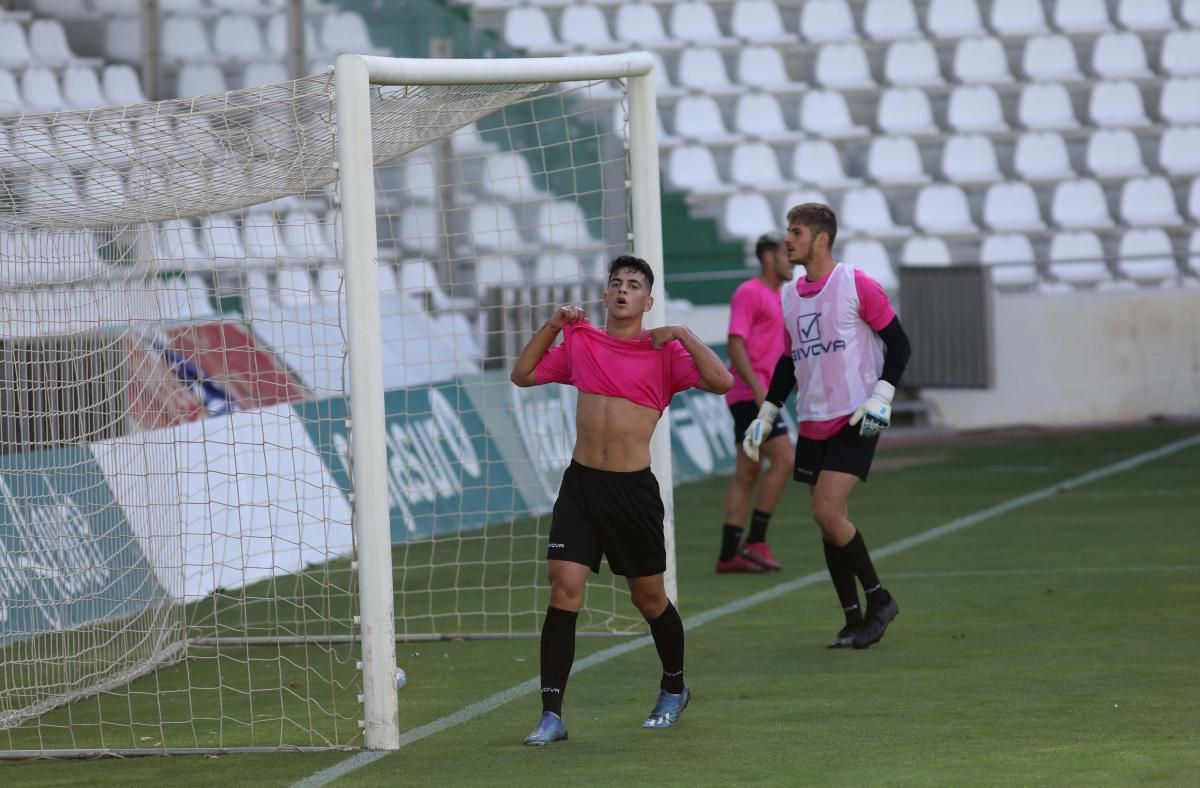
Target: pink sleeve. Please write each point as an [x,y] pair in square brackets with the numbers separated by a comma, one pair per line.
[741,312]
[684,372]
[555,366]
[873,305]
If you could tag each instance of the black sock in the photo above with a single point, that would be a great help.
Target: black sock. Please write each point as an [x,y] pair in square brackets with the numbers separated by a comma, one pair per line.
[667,631]
[856,553]
[843,583]
[731,538]
[558,653]
[758,526]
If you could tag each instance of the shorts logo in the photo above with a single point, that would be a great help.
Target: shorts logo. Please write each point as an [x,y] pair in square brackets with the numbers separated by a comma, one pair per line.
[556,546]
[552,690]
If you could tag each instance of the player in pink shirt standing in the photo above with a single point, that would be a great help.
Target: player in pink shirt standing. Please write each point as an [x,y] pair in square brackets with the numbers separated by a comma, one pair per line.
[755,345]
[609,503]
[845,351]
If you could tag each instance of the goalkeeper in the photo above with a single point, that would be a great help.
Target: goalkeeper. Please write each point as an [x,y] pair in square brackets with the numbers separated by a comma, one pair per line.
[844,350]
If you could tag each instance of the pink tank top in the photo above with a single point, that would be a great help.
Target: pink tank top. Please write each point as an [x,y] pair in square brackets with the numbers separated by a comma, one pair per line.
[596,363]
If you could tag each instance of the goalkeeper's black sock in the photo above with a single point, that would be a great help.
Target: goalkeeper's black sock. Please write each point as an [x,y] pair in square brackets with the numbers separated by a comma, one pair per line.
[759,521]
[731,538]
[843,583]
[858,557]
[558,654]
[667,631]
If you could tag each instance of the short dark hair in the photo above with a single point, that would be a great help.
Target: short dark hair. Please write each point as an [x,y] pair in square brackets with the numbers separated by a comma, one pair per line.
[634,263]
[817,217]
[767,242]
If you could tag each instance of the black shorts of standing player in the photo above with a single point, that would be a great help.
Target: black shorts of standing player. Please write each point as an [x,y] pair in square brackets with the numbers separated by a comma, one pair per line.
[744,413]
[847,451]
[612,513]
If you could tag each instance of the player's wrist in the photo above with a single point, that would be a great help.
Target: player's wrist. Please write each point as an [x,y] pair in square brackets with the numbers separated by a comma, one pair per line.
[768,411]
[884,391]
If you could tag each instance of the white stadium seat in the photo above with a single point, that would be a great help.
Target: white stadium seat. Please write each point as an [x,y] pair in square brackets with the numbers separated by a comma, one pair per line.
[970,158]
[122,85]
[1193,206]
[843,67]
[585,26]
[277,36]
[1145,14]
[1147,256]
[1042,156]
[703,69]
[801,196]
[14,46]
[562,224]
[692,167]
[895,160]
[912,62]
[40,90]
[1078,204]
[1181,53]
[1050,59]
[494,229]
[1117,103]
[1189,12]
[11,102]
[1082,16]
[1018,17]
[200,79]
[262,237]
[81,88]
[1010,258]
[1120,55]
[1114,153]
[755,165]
[886,20]
[748,215]
[872,257]
[818,161]
[237,37]
[48,43]
[758,21]
[760,115]
[925,251]
[220,236]
[1012,206]
[905,111]
[1179,151]
[827,20]
[184,38]
[1179,102]
[640,24]
[345,32]
[1046,106]
[975,108]
[942,209]
[699,117]
[762,67]
[695,22]
[1077,258]
[528,28]
[507,175]
[826,114]
[1194,253]
[981,60]
[865,211]
[1149,201]
[257,74]
[953,18]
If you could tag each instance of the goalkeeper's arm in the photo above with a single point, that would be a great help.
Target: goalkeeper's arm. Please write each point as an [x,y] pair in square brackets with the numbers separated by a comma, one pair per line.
[875,414]
[783,380]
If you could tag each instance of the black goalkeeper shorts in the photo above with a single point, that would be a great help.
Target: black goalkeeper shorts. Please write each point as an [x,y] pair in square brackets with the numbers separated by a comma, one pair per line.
[847,452]
[615,514]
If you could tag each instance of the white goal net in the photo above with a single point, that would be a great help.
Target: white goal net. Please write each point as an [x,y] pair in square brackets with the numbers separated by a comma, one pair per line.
[178,506]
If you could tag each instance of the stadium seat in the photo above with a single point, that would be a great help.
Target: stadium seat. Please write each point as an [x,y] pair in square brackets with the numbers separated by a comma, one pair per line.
[584,26]
[200,79]
[942,209]
[801,196]
[528,28]
[1050,59]
[122,39]
[220,236]
[1046,106]
[258,74]
[495,272]
[1145,14]
[693,168]
[11,102]
[759,22]
[1181,53]
[1042,156]
[555,267]
[895,160]
[699,118]
[185,39]
[754,165]
[277,37]
[467,141]
[662,78]
[421,231]
[1179,151]
[865,211]
[1114,153]
[1117,103]
[419,172]
[912,62]
[640,24]
[294,288]
[418,277]
[50,190]
[926,252]
[759,115]
[953,18]
[871,256]
[843,66]
[981,60]
[14,47]
[1193,203]
[1011,260]
[562,225]
[1077,258]
[1012,206]
[81,88]
[1120,56]
[122,85]
[237,37]
[762,67]
[507,175]
[818,161]
[822,21]
[826,114]
[1149,201]
[1082,16]
[1147,257]
[1018,17]
[695,22]
[48,43]
[1194,252]
[748,215]
[702,69]
[970,158]
[886,20]
[178,246]
[975,108]
[493,229]
[346,31]
[39,90]
[1179,102]
[262,237]
[1189,12]
[1079,204]
[905,111]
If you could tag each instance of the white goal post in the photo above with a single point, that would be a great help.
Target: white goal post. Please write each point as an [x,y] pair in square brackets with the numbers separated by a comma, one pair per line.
[355,74]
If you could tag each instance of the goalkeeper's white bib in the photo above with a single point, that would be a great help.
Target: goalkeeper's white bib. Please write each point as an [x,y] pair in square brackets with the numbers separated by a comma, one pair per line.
[838,357]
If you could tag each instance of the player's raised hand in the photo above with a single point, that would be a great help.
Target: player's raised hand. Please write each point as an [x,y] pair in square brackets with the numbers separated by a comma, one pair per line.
[662,335]
[568,313]
[876,413]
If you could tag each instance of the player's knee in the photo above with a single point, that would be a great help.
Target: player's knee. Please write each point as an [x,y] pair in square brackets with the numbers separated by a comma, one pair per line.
[565,596]
[650,604]
[746,473]
[826,514]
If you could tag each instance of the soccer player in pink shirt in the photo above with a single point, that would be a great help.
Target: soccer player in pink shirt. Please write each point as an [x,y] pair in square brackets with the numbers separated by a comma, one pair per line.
[755,345]
[609,503]
[845,351]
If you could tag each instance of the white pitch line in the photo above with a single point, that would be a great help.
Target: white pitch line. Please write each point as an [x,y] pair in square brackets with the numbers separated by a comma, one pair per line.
[467,713]
[1076,570]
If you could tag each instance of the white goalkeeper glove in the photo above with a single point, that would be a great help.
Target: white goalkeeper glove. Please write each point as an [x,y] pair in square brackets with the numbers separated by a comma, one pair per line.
[876,413]
[759,429]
